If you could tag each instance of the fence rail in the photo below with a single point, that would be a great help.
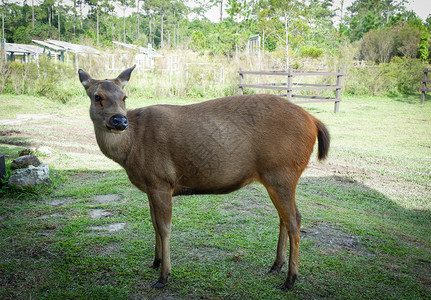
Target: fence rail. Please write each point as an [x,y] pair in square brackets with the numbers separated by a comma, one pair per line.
[424,88]
[290,86]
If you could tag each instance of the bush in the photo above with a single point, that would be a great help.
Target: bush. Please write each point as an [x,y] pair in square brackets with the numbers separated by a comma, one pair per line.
[43,79]
[406,74]
[423,49]
[311,51]
[400,76]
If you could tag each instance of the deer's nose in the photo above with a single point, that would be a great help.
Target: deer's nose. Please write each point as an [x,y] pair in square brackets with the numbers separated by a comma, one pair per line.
[119,122]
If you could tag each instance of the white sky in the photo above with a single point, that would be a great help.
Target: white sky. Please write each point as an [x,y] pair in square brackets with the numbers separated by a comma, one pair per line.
[421,7]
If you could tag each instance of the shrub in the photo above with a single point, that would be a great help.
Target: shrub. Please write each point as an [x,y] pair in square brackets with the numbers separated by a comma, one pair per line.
[311,51]
[406,74]
[42,79]
[400,76]
[423,49]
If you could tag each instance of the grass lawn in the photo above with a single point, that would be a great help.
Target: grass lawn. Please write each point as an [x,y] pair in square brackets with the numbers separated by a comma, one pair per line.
[366,211]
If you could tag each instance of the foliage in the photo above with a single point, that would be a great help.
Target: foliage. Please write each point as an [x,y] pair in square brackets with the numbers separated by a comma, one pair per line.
[40,79]
[311,51]
[381,45]
[288,26]
[366,15]
[423,49]
[400,76]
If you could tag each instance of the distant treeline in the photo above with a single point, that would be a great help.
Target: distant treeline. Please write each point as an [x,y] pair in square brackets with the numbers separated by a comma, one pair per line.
[381,28]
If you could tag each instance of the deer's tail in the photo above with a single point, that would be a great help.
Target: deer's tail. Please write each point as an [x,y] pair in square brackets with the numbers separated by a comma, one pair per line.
[323,139]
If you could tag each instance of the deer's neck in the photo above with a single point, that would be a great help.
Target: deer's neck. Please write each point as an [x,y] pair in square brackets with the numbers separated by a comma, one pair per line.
[115,146]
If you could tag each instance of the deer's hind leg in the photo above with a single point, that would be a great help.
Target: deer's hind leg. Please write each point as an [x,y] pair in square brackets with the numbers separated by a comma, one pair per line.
[281,190]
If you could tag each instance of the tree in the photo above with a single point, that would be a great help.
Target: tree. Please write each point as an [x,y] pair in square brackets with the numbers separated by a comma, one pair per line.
[407,39]
[22,35]
[366,15]
[234,9]
[98,8]
[321,31]
[284,20]
[59,18]
[213,3]
[125,4]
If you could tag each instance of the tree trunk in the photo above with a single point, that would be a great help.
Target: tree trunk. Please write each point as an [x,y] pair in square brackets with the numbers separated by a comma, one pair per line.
[97,23]
[287,42]
[2,23]
[113,28]
[149,34]
[80,15]
[58,15]
[74,17]
[161,34]
[124,24]
[138,25]
[32,14]
[221,11]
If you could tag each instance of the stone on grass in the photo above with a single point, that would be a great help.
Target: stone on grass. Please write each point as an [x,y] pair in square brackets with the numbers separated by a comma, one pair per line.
[30,177]
[24,162]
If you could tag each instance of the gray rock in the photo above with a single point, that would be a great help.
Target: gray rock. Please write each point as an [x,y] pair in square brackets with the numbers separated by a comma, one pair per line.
[30,177]
[25,161]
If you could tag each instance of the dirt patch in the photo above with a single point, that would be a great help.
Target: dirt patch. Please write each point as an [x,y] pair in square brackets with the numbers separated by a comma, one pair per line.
[24,118]
[97,214]
[60,201]
[63,135]
[110,249]
[52,216]
[329,237]
[110,228]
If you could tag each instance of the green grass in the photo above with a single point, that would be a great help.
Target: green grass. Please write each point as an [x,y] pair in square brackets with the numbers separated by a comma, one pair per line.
[366,216]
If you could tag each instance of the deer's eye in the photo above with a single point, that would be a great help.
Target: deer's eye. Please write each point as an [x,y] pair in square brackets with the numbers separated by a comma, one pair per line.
[97,98]
[124,98]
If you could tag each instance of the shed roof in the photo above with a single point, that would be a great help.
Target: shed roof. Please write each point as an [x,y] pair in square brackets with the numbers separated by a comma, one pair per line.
[22,49]
[75,48]
[148,51]
[62,46]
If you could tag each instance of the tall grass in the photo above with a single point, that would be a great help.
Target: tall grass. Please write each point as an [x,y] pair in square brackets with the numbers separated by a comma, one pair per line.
[205,75]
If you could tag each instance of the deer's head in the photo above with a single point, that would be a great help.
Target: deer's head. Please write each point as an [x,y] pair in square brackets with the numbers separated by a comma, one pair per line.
[108,108]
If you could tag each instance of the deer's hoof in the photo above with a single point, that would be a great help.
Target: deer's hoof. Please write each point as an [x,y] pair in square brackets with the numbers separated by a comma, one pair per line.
[276,268]
[288,284]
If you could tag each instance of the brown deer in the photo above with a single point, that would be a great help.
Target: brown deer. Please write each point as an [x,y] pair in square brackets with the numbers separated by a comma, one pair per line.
[213,147]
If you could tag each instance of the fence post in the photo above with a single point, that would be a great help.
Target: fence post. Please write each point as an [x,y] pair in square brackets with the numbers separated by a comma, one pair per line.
[424,85]
[241,81]
[289,84]
[338,92]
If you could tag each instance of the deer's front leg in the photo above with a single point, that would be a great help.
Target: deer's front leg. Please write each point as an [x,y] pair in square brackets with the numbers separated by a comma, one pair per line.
[158,243]
[161,215]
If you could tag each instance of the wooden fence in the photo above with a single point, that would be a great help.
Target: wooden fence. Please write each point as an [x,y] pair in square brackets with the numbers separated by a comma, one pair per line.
[424,88]
[291,86]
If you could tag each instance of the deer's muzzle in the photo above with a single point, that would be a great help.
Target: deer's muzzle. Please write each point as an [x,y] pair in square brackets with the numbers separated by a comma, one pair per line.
[118,122]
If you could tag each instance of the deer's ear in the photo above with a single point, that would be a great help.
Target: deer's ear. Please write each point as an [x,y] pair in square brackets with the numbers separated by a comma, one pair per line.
[85,78]
[124,77]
